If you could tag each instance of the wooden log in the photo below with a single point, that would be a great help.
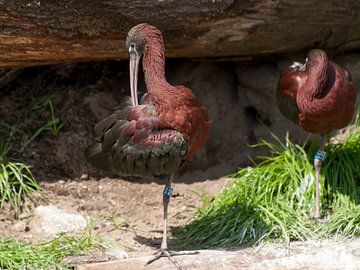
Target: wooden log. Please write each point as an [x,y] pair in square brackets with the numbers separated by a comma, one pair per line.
[37,32]
[308,255]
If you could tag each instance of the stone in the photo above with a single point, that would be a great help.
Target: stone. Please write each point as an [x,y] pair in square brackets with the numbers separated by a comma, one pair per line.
[328,254]
[215,84]
[48,221]
[117,253]
[100,104]
[352,63]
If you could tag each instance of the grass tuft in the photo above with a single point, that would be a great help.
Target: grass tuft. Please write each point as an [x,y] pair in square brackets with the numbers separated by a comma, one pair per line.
[45,255]
[16,179]
[37,117]
[52,124]
[16,182]
[275,199]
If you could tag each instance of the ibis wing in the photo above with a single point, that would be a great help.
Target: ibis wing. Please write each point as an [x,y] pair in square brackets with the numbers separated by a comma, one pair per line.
[286,94]
[130,143]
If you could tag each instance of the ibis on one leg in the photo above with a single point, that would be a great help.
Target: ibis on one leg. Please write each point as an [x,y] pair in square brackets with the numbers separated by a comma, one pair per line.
[156,136]
[320,97]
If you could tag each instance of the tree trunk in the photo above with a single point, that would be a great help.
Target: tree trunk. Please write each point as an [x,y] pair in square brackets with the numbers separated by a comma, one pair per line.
[42,32]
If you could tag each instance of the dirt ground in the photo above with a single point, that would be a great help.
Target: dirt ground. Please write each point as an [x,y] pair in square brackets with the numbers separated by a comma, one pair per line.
[128,211]
[129,214]
[139,204]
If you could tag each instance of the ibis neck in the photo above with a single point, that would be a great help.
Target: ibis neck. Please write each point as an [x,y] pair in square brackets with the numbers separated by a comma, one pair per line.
[317,76]
[154,67]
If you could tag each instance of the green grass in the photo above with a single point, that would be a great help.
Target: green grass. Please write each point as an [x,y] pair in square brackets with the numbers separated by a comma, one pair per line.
[30,125]
[274,200]
[51,123]
[342,167]
[15,255]
[16,179]
[16,182]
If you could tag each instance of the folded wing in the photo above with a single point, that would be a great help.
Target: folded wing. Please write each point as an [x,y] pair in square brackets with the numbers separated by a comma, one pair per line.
[131,143]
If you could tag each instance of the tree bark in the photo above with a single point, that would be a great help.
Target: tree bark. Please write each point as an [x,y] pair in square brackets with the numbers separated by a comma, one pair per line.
[43,32]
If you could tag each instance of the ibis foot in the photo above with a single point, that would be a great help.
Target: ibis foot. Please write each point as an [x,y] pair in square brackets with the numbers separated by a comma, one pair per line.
[169,254]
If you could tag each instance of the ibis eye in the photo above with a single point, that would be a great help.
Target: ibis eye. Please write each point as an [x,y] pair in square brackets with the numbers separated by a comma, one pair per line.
[132,48]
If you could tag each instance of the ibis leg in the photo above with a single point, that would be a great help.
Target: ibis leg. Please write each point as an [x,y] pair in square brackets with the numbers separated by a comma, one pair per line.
[164,252]
[318,159]
[166,199]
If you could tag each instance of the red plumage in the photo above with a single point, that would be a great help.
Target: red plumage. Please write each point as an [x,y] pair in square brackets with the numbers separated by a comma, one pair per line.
[177,107]
[157,136]
[187,115]
[323,92]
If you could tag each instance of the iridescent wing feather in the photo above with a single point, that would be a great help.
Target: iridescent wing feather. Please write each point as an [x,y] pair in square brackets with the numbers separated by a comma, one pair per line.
[131,143]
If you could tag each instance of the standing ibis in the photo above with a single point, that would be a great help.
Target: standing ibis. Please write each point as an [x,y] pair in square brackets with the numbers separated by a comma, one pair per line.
[320,97]
[156,136]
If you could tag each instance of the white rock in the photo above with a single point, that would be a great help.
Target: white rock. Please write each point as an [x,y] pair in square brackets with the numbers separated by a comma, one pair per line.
[49,221]
[117,253]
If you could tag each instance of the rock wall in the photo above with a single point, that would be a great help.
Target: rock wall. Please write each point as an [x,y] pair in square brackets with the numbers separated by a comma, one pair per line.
[240,96]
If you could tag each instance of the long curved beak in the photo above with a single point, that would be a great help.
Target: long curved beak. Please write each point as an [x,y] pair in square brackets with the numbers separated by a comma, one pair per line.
[134,66]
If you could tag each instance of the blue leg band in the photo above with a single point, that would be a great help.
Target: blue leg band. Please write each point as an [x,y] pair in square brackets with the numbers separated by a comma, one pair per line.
[320,155]
[167,192]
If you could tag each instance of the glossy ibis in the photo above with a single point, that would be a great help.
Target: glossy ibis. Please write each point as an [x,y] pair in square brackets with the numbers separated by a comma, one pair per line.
[153,137]
[320,97]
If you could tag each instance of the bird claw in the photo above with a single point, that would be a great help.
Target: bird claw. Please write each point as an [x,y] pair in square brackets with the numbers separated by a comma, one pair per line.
[169,254]
[165,253]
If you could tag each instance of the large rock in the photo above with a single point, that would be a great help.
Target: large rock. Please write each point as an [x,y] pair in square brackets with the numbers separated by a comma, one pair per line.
[48,221]
[352,62]
[240,97]
[43,32]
